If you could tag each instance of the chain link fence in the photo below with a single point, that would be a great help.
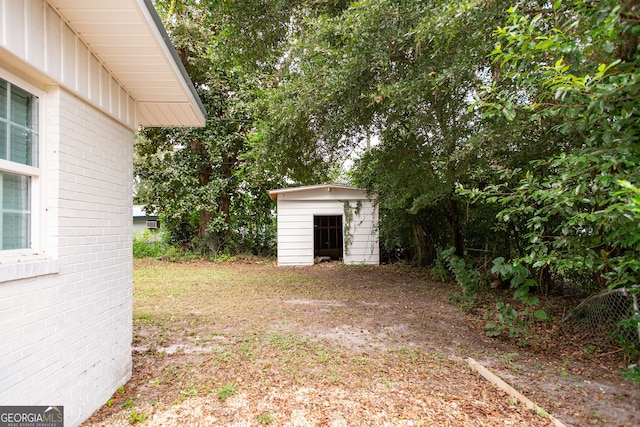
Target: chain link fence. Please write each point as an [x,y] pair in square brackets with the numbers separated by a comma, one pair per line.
[597,320]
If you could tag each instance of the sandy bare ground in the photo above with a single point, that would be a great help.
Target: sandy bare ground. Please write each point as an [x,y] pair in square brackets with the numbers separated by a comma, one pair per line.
[248,344]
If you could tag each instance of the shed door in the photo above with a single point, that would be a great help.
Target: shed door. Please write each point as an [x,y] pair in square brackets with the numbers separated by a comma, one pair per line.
[327,236]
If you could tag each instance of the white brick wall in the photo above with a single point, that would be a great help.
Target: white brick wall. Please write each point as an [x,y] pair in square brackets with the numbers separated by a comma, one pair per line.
[65,338]
[66,302]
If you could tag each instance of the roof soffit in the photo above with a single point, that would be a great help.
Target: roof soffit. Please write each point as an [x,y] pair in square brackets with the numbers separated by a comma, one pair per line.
[127,36]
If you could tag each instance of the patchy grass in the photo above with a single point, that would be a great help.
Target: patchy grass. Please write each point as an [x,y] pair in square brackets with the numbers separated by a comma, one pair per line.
[226,392]
[249,343]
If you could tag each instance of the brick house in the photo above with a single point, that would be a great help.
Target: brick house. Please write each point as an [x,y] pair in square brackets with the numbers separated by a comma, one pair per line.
[77,78]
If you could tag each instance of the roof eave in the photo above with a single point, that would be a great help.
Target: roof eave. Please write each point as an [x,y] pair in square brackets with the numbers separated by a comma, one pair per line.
[173,53]
[130,42]
[274,193]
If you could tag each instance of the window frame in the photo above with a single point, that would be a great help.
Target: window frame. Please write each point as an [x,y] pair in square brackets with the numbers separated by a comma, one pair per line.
[13,262]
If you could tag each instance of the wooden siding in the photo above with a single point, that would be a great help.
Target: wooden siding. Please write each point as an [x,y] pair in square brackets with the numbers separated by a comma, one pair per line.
[36,34]
[295,226]
[364,247]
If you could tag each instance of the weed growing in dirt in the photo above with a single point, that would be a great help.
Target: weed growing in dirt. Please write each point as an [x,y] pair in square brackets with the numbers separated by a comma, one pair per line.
[265,418]
[226,392]
[190,391]
[334,375]
[414,354]
[135,417]
[285,343]
[508,358]
[322,355]
[221,356]
[437,356]
[246,351]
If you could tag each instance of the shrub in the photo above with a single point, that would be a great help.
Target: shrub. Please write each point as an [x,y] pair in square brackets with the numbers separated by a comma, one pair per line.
[147,245]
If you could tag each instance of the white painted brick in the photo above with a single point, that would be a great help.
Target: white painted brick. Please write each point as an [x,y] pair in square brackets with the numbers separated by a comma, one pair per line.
[83,314]
[9,359]
[17,385]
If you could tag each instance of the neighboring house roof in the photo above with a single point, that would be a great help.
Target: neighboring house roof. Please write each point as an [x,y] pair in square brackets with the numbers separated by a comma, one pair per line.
[328,187]
[139,212]
[128,37]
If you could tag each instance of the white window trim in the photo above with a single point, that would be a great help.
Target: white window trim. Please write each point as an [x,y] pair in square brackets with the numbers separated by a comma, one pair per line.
[34,261]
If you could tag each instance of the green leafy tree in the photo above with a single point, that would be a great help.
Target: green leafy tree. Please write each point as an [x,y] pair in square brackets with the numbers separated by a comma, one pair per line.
[574,64]
[197,178]
[407,72]
[210,184]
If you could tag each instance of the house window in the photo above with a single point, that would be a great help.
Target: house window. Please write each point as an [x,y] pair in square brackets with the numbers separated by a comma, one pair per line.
[18,164]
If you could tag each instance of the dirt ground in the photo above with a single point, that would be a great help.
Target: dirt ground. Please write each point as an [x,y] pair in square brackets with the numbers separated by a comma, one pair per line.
[249,343]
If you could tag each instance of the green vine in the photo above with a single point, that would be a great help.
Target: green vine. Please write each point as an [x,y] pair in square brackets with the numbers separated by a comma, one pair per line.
[349,213]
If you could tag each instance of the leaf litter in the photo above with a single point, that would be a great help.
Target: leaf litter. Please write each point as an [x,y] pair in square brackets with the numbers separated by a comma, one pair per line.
[334,345]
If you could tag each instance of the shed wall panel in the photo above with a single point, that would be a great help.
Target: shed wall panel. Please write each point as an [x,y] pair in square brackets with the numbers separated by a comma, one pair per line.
[364,247]
[305,239]
[295,242]
[295,225]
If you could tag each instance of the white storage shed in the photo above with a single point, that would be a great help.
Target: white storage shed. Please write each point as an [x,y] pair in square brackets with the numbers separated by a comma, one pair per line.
[326,220]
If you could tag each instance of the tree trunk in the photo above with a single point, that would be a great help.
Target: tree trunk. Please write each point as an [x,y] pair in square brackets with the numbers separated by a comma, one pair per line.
[453,217]
[229,163]
[205,218]
[628,49]
[204,172]
[417,234]
[546,282]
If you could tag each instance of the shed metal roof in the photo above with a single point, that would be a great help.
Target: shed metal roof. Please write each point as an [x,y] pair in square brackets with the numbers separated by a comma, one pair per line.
[128,37]
[329,187]
[139,212]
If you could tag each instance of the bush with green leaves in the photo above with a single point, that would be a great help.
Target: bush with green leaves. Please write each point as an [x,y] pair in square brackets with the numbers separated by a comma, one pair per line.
[579,62]
[574,65]
[466,276]
[147,245]
[506,318]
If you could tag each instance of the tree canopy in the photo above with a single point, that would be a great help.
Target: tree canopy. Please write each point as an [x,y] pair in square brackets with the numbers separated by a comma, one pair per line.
[574,64]
[506,126]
